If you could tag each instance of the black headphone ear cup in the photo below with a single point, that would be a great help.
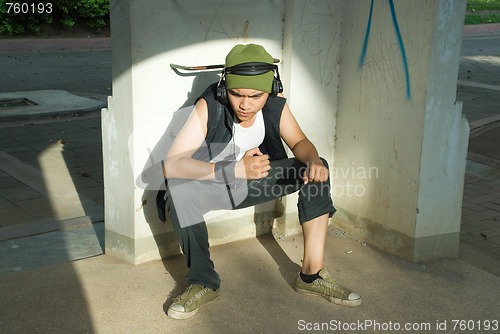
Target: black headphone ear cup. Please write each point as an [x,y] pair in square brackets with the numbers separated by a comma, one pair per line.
[274,89]
[222,93]
[280,85]
[277,87]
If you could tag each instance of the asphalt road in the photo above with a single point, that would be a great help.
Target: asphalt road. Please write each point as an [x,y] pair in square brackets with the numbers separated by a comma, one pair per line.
[85,73]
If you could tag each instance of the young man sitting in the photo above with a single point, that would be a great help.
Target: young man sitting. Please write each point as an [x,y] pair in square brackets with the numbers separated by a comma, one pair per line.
[230,155]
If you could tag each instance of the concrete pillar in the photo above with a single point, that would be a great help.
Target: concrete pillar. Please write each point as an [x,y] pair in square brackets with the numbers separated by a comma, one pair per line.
[139,124]
[401,137]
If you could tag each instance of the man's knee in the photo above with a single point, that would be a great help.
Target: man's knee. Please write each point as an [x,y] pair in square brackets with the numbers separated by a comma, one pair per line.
[325,163]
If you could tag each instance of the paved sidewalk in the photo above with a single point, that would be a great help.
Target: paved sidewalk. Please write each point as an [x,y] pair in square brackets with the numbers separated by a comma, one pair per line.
[479,89]
[51,170]
[106,295]
[480,228]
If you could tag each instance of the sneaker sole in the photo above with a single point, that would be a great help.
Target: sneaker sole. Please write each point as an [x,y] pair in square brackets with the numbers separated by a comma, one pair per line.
[185,315]
[338,301]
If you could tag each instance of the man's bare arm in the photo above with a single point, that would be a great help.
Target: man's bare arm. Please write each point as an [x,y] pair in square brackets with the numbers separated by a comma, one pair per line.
[303,149]
[179,162]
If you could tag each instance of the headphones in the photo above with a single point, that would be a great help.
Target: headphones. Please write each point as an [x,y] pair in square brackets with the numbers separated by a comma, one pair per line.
[255,68]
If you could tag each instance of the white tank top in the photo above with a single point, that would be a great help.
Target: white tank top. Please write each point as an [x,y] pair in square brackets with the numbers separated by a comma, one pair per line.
[244,139]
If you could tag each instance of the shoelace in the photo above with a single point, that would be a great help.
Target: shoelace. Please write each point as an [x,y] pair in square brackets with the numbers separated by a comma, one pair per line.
[178,298]
[197,296]
[191,300]
[329,286]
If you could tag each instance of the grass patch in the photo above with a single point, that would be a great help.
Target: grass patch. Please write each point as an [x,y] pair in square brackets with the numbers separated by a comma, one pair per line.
[482,19]
[482,5]
[482,12]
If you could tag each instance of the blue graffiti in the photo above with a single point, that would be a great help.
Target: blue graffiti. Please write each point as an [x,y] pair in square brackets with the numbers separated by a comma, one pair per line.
[367,36]
[400,41]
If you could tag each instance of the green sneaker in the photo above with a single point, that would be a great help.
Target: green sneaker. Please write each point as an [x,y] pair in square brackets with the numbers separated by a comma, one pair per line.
[187,304]
[327,287]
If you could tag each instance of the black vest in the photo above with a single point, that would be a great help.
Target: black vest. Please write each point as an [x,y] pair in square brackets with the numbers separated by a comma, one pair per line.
[219,131]
[220,122]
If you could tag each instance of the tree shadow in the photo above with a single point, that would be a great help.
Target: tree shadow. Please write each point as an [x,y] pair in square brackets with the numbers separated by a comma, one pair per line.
[45,244]
[286,266]
[176,267]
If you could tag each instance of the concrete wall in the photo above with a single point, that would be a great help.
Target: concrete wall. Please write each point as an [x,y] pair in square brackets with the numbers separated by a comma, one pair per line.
[311,50]
[143,113]
[401,138]
[379,107]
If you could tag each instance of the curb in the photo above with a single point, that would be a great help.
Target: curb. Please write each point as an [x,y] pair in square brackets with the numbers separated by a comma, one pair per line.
[92,43]
[47,103]
[43,226]
[481,29]
[54,44]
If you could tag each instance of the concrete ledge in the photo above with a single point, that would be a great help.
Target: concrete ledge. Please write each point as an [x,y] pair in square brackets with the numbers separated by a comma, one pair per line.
[48,249]
[163,245]
[483,170]
[288,224]
[137,251]
[48,103]
[436,247]
[45,225]
[414,249]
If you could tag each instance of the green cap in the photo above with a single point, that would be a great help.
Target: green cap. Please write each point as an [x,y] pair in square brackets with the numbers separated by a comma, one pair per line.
[249,53]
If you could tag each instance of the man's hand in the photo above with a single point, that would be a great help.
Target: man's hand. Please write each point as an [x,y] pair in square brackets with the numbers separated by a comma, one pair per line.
[254,165]
[315,172]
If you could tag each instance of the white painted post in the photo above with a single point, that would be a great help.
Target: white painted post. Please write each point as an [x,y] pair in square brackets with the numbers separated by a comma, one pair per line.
[401,137]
